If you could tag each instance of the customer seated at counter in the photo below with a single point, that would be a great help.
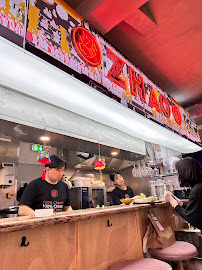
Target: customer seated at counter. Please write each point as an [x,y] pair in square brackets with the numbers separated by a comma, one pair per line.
[121,191]
[50,193]
[190,175]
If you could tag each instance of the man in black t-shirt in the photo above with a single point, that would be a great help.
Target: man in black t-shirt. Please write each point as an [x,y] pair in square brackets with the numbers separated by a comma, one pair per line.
[50,193]
[121,190]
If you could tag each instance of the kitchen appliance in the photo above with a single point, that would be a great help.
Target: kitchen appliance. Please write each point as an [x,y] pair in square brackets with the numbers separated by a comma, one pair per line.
[9,212]
[7,174]
[182,194]
[88,197]
[68,181]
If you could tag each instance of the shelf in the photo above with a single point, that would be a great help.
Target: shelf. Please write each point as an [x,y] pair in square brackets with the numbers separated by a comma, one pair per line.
[163,175]
[171,174]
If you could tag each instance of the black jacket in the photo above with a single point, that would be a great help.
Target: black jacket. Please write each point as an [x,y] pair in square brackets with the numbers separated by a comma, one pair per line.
[193,212]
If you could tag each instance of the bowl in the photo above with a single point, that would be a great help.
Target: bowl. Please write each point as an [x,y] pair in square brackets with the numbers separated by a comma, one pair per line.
[127,200]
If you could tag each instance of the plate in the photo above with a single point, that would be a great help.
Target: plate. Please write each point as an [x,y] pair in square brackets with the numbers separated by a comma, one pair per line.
[157,201]
[145,200]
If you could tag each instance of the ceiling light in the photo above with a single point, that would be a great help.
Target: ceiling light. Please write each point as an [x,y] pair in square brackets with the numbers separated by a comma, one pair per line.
[114,153]
[5,139]
[44,138]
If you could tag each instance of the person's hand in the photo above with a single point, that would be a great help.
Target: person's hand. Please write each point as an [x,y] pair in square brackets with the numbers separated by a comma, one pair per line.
[169,198]
[177,199]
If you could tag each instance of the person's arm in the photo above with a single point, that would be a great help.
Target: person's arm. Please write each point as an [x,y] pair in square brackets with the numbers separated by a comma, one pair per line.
[184,205]
[26,202]
[67,204]
[179,201]
[192,212]
[68,208]
[25,210]
[169,198]
[115,198]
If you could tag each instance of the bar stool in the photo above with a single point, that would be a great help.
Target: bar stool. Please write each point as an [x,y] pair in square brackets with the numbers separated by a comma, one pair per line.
[145,264]
[178,252]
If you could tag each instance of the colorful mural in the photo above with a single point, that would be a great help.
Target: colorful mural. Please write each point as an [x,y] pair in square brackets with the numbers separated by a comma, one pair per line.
[12,15]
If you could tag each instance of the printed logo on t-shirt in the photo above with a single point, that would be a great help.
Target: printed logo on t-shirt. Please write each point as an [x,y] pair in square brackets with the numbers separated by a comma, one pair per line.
[127,196]
[54,193]
[55,205]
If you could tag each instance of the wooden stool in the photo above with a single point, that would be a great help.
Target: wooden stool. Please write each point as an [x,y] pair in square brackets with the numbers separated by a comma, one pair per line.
[178,252]
[141,264]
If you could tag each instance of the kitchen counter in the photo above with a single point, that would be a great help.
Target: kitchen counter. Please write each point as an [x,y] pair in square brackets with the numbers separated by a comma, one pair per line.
[30,222]
[90,239]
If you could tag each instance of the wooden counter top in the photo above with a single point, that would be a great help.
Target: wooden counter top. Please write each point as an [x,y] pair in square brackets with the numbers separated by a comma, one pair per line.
[30,222]
[89,239]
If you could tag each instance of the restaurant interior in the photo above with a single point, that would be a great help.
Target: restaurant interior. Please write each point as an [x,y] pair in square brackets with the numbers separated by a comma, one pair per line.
[132,99]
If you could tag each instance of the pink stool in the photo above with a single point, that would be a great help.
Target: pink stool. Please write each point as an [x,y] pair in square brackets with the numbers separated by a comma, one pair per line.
[178,252]
[141,264]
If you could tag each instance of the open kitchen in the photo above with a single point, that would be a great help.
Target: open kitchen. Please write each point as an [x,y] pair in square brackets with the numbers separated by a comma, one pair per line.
[90,236]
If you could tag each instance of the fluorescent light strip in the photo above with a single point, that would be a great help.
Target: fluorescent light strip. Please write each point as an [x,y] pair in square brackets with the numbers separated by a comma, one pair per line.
[28,74]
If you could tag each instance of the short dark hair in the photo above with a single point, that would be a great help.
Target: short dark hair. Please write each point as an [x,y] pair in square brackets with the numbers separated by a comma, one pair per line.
[112,175]
[190,172]
[56,162]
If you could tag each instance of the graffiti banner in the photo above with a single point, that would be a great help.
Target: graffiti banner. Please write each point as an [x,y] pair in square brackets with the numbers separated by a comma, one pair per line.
[57,30]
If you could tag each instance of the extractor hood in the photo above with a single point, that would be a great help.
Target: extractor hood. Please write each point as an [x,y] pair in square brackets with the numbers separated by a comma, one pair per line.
[112,164]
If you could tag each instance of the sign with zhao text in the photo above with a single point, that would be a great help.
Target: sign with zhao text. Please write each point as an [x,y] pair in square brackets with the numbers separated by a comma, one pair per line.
[57,30]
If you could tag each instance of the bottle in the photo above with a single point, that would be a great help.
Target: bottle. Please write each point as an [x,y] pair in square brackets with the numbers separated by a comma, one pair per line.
[160,188]
[152,184]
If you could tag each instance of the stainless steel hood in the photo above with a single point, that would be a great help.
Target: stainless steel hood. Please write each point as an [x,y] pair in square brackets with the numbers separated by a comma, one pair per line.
[68,145]
[112,164]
